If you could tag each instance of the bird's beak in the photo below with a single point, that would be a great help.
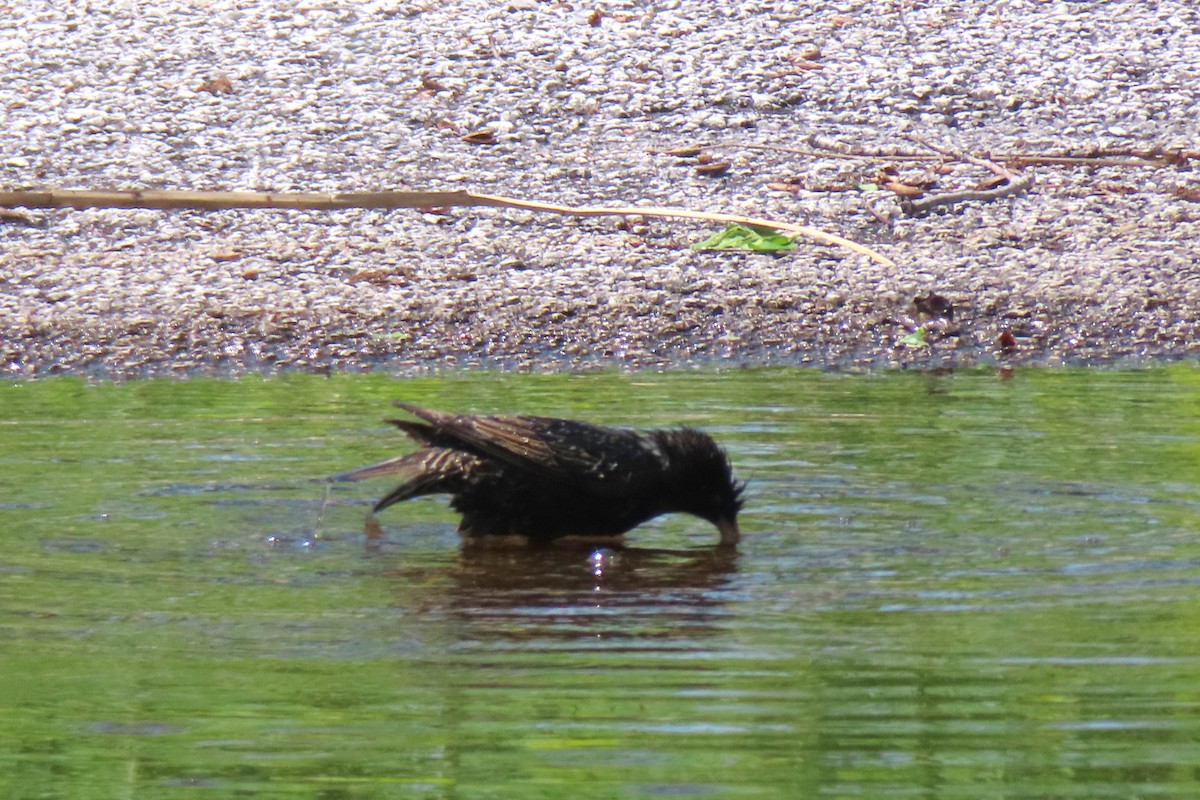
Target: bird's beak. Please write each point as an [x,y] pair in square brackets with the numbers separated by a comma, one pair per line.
[730,535]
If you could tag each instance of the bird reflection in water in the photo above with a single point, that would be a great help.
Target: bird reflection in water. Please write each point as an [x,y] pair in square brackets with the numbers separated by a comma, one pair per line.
[625,596]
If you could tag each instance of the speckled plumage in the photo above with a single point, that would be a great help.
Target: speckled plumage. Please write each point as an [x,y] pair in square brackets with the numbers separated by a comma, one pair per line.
[544,478]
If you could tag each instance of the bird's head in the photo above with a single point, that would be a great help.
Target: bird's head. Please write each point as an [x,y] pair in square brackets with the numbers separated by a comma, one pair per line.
[701,480]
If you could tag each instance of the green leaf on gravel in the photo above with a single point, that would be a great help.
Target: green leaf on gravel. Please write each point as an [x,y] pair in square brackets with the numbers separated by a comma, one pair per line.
[747,237]
[915,339]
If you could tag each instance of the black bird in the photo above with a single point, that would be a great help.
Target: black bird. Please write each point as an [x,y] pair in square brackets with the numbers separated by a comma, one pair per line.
[544,478]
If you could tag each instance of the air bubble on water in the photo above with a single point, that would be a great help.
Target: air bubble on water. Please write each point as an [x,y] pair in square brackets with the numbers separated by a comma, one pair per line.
[601,560]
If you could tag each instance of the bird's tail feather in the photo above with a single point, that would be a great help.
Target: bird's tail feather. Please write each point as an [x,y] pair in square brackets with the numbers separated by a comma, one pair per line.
[400,466]
[431,470]
[419,485]
[419,432]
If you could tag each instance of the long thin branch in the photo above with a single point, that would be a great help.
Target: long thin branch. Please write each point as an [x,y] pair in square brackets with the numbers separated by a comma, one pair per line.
[211,201]
[824,147]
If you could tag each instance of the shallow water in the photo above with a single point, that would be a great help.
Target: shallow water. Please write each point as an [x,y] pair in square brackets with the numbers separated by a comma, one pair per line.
[949,586]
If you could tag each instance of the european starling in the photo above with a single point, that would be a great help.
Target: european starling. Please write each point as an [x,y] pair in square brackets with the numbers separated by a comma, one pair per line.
[544,478]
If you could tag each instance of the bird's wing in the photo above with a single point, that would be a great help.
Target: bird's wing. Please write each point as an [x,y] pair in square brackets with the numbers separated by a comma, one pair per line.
[430,470]
[588,456]
[511,439]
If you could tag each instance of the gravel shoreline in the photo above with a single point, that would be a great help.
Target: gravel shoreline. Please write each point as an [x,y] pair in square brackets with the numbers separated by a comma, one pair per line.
[1096,265]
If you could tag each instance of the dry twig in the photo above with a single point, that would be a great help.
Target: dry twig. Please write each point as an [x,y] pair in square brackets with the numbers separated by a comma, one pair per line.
[826,147]
[1013,184]
[211,201]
